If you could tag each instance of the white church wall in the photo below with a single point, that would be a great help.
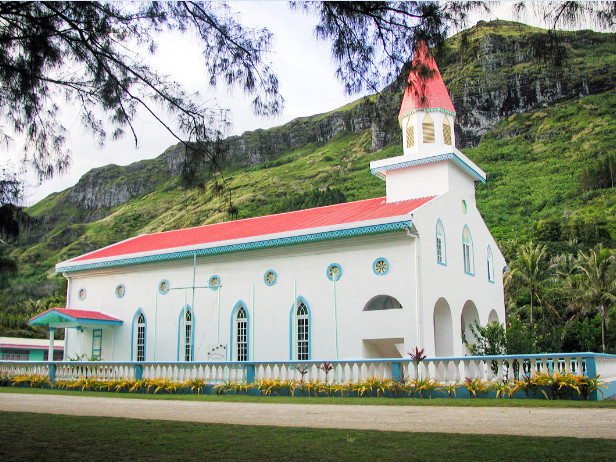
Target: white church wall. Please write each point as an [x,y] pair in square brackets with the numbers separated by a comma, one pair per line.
[449,280]
[419,181]
[268,307]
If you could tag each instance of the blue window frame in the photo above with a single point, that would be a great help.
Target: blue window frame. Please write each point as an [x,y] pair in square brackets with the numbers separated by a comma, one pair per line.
[300,331]
[334,272]
[490,262]
[380,266]
[441,247]
[186,334]
[97,343]
[240,332]
[467,251]
[138,337]
[270,277]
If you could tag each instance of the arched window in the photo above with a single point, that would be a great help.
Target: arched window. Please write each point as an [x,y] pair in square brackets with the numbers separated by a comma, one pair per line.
[185,335]
[382,302]
[240,333]
[446,131]
[300,331]
[138,352]
[428,129]
[490,261]
[441,255]
[467,251]
[410,134]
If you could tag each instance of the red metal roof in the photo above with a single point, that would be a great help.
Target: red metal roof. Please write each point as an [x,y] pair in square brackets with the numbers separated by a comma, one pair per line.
[77,314]
[339,214]
[425,93]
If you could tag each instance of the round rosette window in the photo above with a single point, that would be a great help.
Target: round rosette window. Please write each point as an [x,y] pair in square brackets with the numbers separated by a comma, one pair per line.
[120,290]
[81,294]
[163,287]
[380,266]
[214,282]
[334,271]
[270,277]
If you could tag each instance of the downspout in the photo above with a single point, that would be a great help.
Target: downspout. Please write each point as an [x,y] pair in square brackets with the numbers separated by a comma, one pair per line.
[418,288]
[193,284]
[252,331]
[294,321]
[68,292]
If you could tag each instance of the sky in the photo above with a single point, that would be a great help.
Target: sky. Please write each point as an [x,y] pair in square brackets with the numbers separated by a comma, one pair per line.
[304,67]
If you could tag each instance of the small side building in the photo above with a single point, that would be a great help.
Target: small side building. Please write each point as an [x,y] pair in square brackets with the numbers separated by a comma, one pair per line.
[29,349]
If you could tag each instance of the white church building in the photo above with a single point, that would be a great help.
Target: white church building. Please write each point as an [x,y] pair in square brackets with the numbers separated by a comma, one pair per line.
[367,279]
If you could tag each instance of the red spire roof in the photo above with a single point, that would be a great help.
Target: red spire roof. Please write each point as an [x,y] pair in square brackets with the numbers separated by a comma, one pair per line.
[298,221]
[421,93]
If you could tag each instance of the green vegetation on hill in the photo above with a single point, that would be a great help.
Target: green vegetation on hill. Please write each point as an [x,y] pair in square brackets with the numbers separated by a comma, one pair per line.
[541,167]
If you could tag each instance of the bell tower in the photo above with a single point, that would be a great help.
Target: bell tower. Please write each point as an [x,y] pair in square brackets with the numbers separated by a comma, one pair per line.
[430,163]
[427,115]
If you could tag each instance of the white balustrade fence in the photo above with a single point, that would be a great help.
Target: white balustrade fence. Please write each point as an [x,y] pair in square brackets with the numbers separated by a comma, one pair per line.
[503,367]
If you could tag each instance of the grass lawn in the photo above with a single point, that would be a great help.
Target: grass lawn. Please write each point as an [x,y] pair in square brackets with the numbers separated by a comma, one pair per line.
[26,437]
[460,402]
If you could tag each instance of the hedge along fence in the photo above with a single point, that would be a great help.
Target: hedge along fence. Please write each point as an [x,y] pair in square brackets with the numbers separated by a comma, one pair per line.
[555,385]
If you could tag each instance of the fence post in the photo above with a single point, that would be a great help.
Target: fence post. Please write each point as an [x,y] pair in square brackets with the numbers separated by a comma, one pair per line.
[249,373]
[396,371]
[52,372]
[138,372]
[591,373]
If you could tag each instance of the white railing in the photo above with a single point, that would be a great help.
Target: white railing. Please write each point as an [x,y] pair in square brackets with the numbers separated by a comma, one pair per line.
[508,367]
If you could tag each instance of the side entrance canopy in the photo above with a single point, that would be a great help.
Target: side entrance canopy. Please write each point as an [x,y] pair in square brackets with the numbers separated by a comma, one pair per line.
[64,317]
[68,318]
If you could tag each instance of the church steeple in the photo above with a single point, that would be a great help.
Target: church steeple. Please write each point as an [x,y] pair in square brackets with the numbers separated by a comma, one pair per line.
[427,93]
[427,115]
[430,163]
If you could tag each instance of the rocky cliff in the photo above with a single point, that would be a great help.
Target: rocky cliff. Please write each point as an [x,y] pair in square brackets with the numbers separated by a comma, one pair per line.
[491,70]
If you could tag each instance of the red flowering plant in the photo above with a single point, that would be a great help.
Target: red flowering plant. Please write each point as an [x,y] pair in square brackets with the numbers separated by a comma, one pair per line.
[417,356]
[326,367]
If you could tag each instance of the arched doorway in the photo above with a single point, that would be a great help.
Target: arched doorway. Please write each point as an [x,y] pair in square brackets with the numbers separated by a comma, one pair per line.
[443,329]
[468,319]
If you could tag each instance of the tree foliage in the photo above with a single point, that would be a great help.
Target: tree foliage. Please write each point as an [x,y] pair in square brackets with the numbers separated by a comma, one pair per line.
[312,198]
[89,55]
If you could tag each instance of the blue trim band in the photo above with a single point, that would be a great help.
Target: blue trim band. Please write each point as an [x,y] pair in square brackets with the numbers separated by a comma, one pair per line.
[428,109]
[360,231]
[380,171]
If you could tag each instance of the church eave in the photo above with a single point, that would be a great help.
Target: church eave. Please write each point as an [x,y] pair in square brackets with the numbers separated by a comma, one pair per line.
[399,224]
[427,109]
[382,171]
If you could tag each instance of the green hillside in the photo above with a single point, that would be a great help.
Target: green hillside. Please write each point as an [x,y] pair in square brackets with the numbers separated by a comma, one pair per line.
[550,169]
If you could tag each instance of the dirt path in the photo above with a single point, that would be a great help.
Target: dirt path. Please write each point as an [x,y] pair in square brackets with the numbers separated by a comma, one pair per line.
[580,423]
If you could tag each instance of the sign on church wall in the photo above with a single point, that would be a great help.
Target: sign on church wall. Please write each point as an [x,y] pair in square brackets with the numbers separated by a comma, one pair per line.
[216,353]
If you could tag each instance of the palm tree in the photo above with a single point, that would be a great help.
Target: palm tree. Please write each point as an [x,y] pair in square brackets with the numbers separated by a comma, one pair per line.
[566,290]
[529,272]
[598,285]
